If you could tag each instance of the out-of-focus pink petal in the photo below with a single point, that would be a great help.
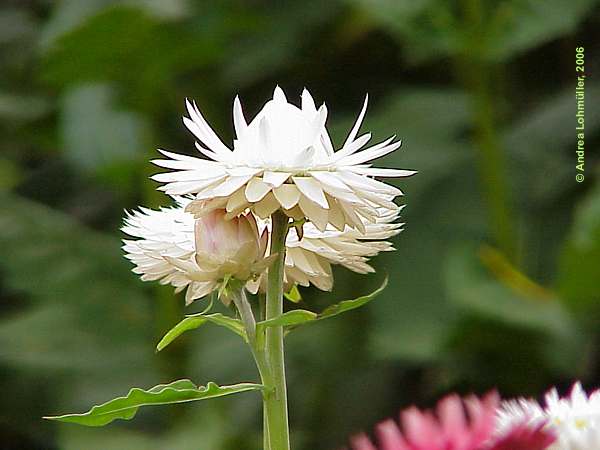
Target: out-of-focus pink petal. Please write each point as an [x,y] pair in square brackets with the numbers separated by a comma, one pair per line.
[525,437]
[421,429]
[451,414]
[482,415]
[389,436]
[362,442]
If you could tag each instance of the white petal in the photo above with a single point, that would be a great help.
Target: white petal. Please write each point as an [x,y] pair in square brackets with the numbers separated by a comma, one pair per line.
[382,172]
[203,132]
[369,154]
[275,179]
[228,187]
[312,190]
[287,195]
[359,182]
[314,212]
[278,95]
[187,175]
[334,186]
[237,202]
[239,122]
[240,171]
[351,148]
[308,104]
[352,218]
[356,127]
[336,215]
[189,187]
[266,206]
[256,190]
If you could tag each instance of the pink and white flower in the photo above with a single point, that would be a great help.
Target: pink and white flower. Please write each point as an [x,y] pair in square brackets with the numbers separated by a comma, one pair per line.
[457,424]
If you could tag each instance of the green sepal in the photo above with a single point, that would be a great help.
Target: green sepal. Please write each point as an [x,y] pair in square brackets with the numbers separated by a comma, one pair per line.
[196,320]
[293,295]
[164,394]
[297,317]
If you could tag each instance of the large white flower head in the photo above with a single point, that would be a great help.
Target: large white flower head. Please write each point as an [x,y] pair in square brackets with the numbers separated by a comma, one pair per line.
[284,159]
[575,418]
[172,247]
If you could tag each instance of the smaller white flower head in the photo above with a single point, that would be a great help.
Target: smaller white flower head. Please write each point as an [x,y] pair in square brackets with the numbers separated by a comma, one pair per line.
[194,253]
[284,159]
[191,253]
[575,419]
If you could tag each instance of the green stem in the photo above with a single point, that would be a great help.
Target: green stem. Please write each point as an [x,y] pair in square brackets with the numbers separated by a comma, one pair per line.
[275,399]
[478,76]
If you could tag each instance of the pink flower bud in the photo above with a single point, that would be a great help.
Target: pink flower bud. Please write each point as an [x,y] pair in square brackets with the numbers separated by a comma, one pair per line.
[228,247]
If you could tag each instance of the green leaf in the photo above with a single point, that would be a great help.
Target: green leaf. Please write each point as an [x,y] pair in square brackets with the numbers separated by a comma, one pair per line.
[349,305]
[579,270]
[473,288]
[194,321]
[294,317]
[302,316]
[68,322]
[98,135]
[179,391]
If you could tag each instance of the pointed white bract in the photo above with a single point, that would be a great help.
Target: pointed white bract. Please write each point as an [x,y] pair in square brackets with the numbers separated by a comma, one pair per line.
[197,253]
[575,419]
[284,159]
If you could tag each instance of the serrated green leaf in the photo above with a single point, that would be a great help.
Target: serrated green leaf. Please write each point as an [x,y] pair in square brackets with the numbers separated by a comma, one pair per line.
[302,316]
[194,321]
[179,391]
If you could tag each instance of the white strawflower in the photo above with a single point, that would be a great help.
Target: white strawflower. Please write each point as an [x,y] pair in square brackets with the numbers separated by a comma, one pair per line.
[575,419]
[170,250]
[194,253]
[284,159]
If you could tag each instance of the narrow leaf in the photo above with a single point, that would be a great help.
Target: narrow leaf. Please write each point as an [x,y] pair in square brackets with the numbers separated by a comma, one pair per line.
[194,321]
[176,392]
[348,305]
[290,318]
[302,316]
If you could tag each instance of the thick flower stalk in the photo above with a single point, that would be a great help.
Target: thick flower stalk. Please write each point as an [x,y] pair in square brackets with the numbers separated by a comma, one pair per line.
[457,424]
[575,418]
[284,160]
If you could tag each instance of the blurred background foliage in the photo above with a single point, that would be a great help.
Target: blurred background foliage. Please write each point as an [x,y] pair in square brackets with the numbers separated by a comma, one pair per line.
[496,279]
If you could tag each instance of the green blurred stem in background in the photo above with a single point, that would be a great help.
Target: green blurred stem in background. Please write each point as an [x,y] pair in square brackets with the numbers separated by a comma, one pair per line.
[477,75]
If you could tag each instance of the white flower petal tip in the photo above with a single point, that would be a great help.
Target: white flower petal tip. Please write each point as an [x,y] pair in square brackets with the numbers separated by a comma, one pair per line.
[575,418]
[286,145]
[192,247]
